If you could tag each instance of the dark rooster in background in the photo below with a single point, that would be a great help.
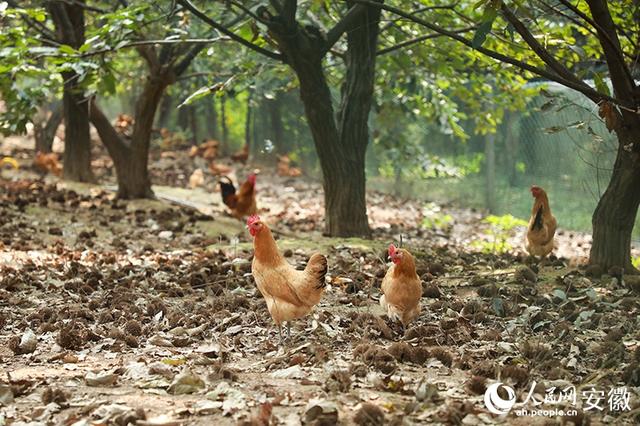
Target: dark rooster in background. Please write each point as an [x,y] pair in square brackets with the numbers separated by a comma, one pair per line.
[243,202]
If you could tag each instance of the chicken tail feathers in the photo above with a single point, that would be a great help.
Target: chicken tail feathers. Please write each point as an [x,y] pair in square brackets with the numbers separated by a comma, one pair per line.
[227,189]
[537,222]
[317,267]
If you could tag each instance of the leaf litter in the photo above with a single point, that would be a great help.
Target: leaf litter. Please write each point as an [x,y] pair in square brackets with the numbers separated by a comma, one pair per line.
[146,313]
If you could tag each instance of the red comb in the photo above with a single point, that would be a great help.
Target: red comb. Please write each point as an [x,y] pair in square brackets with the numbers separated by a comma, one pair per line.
[253,219]
[392,249]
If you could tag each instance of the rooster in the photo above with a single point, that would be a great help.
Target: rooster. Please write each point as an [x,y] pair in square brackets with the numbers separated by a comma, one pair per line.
[401,287]
[243,202]
[289,293]
[542,225]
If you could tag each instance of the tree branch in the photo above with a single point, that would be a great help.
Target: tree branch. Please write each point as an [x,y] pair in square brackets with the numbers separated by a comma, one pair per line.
[276,5]
[85,6]
[289,12]
[184,63]
[422,9]
[66,33]
[190,7]
[418,40]
[586,90]
[149,54]
[595,25]
[41,28]
[114,143]
[537,48]
[621,79]
[343,24]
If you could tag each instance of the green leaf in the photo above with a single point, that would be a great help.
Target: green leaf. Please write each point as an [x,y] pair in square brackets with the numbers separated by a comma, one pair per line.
[108,83]
[481,34]
[488,17]
[65,48]
[601,85]
[200,93]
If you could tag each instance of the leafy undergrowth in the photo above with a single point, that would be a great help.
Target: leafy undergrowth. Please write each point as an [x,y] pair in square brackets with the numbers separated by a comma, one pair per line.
[146,313]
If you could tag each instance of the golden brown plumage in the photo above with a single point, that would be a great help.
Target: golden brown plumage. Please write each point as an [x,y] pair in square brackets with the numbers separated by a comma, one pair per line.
[289,293]
[542,225]
[243,202]
[401,287]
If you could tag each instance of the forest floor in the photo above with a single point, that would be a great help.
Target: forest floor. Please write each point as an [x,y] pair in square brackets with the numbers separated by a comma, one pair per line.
[145,312]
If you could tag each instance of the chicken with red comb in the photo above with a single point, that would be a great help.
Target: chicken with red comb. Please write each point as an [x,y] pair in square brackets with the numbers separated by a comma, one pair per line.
[289,293]
[401,287]
[242,202]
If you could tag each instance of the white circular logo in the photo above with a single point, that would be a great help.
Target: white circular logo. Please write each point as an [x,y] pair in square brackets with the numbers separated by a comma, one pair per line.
[495,403]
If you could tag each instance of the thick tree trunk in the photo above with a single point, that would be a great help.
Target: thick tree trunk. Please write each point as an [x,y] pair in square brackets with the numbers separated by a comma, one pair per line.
[131,159]
[69,22]
[343,185]
[135,182]
[346,200]
[615,215]
[341,145]
[45,131]
[77,142]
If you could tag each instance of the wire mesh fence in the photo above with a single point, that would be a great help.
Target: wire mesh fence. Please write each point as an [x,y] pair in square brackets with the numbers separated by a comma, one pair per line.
[559,143]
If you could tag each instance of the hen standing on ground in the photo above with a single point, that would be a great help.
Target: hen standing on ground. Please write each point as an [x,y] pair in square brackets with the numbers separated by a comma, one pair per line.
[289,293]
[401,287]
[542,225]
[243,202]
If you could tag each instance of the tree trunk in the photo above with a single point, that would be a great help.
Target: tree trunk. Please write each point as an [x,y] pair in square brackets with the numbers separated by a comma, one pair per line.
[223,122]
[131,159]
[193,123]
[247,124]
[183,117]
[341,145]
[45,131]
[615,215]
[277,127]
[136,182]
[77,143]
[133,180]
[346,201]
[166,108]
[212,118]
[511,148]
[490,172]
[69,22]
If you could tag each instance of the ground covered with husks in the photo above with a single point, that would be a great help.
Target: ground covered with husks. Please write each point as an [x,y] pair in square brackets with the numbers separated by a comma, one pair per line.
[146,313]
